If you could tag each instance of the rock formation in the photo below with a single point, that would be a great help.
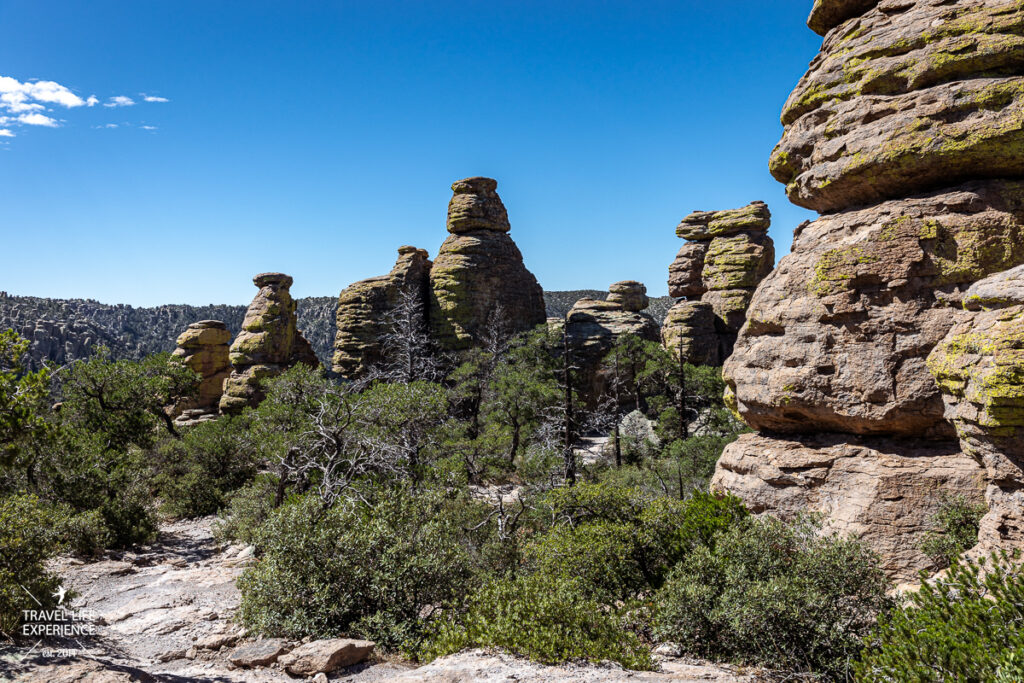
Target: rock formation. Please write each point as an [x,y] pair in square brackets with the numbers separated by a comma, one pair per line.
[203,347]
[268,344]
[906,133]
[979,367]
[593,327]
[364,307]
[479,271]
[726,255]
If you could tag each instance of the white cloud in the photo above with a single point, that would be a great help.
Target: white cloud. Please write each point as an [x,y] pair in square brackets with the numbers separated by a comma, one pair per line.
[32,103]
[38,120]
[120,101]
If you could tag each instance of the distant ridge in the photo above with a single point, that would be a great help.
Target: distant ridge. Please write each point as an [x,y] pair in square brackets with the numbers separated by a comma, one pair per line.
[63,330]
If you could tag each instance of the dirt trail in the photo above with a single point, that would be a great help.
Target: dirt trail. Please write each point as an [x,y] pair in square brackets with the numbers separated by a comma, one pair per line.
[164,614]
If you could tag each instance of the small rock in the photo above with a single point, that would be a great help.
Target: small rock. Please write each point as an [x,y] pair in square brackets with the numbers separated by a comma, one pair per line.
[669,650]
[260,653]
[320,678]
[170,656]
[325,656]
[191,653]
[217,641]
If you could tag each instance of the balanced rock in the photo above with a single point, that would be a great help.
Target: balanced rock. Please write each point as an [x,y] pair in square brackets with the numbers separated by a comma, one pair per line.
[268,344]
[364,307]
[479,271]
[203,347]
[727,255]
[592,328]
[906,132]
[630,295]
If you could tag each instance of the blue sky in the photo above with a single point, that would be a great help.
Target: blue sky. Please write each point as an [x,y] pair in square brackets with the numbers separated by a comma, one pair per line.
[314,138]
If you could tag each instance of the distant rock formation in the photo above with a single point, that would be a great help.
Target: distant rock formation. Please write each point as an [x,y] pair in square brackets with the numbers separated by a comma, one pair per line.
[363,310]
[203,347]
[726,256]
[268,344]
[905,132]
[592,328]
[479,271]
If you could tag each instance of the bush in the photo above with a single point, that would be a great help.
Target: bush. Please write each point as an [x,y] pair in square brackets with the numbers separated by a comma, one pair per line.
[955,529]
[774,594]
[619,542]
[247,509]
[194,474]
[359,571]
[967,626]
[544,617]
[29,535]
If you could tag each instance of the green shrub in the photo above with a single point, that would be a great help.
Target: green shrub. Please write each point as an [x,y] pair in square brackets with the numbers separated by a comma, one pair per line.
[619,542]
[247,509]
[367,572]
[194,474]
[955,529]
[774,594]
[29,535]
[544,617]
[966,626]
[87,534]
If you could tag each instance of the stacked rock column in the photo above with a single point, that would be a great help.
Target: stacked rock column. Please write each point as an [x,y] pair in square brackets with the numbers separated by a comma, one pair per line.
[906,134]
[726,255]
[203,347]
[267,345]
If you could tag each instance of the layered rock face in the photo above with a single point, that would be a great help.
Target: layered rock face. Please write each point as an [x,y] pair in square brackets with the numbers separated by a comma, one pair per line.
[479,271]
[593,326]
[906,133]
[203,347]
[979,367]
[726,255]
[268,344]
[363,310]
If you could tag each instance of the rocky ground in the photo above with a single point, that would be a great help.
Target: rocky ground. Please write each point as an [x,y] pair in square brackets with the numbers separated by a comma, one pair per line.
[164,613]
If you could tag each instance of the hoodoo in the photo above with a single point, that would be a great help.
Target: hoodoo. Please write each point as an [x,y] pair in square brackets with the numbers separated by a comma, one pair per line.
[203,347]
[268,344]
[479,271]
[726,255]
[906,130]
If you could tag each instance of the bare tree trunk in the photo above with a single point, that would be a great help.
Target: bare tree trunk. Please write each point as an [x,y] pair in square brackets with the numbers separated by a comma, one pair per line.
[569,454]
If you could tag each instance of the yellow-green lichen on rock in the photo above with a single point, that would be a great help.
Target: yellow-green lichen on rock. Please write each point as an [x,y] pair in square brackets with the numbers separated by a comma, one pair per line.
[479,272]
[268,344]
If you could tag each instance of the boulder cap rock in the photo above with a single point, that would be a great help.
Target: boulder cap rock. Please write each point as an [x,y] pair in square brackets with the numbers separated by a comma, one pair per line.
[475,205]
[264,279]
[629,294]
[474,185]
[827,14]
[208,325]
[705,225]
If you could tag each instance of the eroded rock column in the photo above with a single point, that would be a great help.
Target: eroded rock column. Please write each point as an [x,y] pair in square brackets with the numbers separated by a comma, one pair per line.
[203,347]
[906,134]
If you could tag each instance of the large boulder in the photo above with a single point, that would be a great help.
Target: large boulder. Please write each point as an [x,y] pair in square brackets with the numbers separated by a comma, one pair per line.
[839,332]
[364,309]
[479,271]
[592,328]
[882,490]
[203,347]
[268,344]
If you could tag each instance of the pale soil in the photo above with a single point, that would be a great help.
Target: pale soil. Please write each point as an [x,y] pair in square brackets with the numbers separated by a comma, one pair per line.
[164,613]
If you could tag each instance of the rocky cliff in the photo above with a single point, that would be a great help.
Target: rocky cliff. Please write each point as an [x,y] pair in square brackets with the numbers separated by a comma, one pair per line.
[905,133]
